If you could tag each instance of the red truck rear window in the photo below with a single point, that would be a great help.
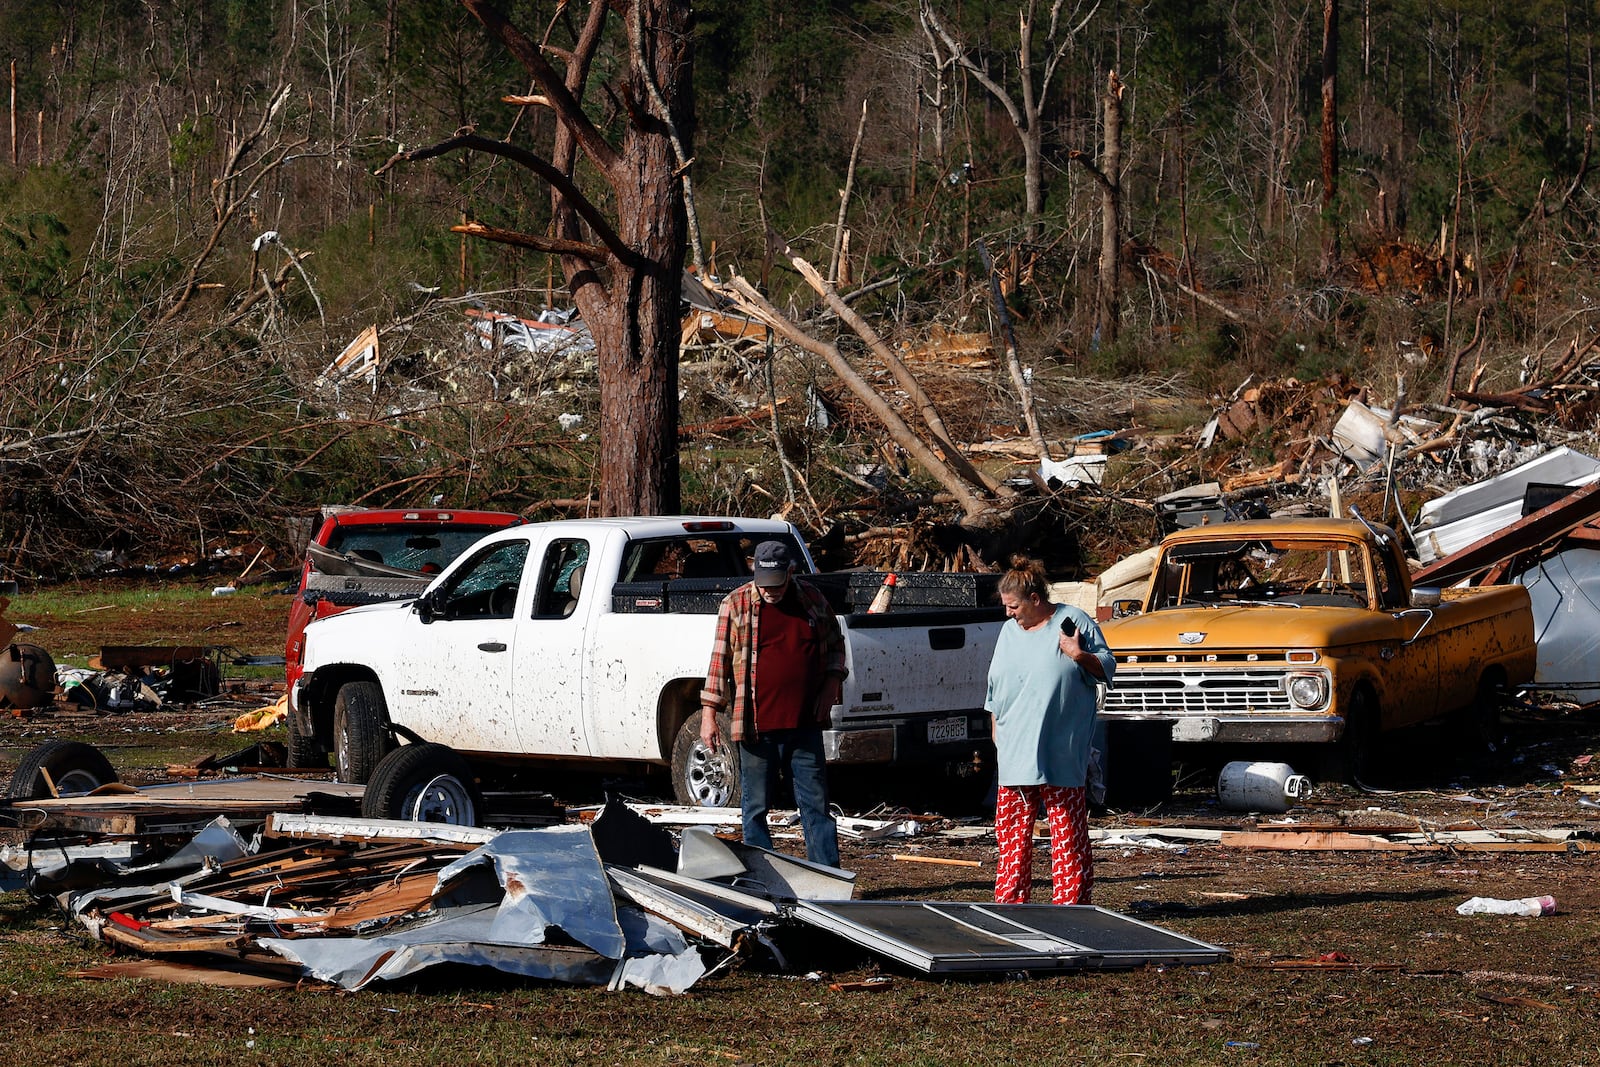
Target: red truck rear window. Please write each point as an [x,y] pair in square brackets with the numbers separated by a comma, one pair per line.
[406,547]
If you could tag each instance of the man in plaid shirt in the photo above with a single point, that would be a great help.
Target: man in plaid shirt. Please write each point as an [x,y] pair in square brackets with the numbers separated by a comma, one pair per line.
[778,666]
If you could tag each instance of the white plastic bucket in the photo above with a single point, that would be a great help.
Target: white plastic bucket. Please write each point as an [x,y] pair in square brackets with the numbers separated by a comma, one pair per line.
[1245,786]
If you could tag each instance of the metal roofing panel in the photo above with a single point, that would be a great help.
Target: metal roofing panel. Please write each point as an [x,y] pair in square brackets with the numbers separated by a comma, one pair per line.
[942,937]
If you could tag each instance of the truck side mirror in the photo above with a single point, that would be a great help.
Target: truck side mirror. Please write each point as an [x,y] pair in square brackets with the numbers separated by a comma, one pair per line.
[1426,596]
[424,607]
[1121,609]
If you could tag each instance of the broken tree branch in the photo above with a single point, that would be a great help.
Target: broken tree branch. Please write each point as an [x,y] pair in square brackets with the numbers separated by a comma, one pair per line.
[561,98]
[570,193]
[902,374]
[538,242]
[1018,379]
[844,197]
[1463,352]
[755,305]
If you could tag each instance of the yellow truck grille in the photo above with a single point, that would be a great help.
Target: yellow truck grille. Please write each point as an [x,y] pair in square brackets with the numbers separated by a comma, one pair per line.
[1175,693]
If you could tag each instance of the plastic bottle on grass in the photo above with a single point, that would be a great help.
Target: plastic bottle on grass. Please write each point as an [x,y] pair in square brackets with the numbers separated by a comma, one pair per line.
[1492,906]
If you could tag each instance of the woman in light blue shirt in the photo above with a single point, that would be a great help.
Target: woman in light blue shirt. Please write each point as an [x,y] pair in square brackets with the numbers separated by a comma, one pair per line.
[1041,695]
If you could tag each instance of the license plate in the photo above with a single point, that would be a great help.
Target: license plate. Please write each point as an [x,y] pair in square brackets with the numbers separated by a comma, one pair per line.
[943,730]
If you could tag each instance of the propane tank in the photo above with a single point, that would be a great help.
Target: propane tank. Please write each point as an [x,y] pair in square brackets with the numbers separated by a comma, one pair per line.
[1246,786]
[27,678]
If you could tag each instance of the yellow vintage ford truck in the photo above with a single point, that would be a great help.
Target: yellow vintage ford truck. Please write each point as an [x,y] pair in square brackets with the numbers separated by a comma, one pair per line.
[1281,631]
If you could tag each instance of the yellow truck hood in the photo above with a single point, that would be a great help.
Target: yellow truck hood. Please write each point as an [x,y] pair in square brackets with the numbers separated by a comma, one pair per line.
[1252,627]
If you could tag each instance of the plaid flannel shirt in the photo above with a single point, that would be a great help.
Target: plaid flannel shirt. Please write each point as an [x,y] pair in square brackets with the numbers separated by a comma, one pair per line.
[730,680]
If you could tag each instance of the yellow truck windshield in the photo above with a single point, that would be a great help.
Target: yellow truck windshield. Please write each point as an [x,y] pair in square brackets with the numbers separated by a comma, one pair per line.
[1296,572]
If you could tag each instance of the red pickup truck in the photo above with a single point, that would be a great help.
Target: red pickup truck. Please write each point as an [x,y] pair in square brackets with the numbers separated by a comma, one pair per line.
[367,555]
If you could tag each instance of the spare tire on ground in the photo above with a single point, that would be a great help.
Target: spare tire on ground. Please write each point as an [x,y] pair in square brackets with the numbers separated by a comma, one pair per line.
[423,783]
[60,768]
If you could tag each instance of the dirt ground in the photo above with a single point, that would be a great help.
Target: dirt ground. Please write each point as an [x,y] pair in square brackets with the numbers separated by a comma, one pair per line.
[1336,957]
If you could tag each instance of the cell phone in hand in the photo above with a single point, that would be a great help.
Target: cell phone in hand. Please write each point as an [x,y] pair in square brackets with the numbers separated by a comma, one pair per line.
[1068,627]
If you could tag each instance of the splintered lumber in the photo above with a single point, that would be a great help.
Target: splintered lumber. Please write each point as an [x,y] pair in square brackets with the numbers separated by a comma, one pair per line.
[310,889]
[150,940]
[238,974]
[1411,841]
[936,859]
[1316,841]
[185,806]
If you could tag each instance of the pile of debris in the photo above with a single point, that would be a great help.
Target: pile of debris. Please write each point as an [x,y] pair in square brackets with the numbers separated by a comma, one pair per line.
[618,903]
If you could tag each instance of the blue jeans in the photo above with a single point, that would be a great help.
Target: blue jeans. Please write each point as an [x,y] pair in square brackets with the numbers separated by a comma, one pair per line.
[801,752]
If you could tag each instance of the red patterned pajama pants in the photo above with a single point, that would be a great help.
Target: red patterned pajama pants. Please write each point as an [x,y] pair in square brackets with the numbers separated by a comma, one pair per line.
[1071,866]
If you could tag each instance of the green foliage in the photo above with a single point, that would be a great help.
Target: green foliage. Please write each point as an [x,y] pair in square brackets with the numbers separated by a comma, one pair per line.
[194,141]
[33,257]
[1220,191]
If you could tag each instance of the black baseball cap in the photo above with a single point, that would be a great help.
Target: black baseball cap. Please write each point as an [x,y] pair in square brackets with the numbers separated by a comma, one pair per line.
[773,563]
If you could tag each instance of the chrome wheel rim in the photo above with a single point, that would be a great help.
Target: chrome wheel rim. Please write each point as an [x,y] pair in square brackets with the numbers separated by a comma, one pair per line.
[710,777]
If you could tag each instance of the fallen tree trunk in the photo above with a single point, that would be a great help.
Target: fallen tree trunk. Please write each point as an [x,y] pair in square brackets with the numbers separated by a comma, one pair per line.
[752,303]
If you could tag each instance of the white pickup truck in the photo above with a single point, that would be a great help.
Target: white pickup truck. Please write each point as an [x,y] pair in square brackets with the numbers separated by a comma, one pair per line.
[588,640]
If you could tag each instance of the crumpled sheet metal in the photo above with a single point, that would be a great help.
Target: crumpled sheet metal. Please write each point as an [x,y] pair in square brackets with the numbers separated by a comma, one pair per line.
[659,958]
[452,935]
[1565,590]
[551,877]
[711,923]
[656,959]
[703,855]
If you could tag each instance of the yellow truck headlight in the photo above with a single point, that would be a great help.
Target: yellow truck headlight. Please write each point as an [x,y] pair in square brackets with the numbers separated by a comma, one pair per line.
[1308,690]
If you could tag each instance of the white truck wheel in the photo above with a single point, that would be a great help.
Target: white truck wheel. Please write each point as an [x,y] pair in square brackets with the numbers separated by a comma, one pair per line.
[360,732]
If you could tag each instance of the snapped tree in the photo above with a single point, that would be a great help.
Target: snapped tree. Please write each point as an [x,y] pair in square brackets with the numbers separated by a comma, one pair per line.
[623,265]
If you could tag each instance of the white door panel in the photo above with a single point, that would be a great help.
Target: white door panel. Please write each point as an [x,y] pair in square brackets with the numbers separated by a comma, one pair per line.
[455,670]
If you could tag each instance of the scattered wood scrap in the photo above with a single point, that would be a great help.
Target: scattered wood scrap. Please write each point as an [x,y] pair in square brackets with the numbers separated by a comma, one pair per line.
[1517,1002]
[293,892]
[1354,839]
[944,860]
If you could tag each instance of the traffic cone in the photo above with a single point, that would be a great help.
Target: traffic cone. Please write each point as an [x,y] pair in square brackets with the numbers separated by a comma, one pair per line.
[880,599]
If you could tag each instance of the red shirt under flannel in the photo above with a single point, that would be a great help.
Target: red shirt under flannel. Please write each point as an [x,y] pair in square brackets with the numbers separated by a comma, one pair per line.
[730,680]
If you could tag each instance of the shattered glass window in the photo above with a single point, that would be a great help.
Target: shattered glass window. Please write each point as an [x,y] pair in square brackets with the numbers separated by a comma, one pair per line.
[701,556]
[486,587]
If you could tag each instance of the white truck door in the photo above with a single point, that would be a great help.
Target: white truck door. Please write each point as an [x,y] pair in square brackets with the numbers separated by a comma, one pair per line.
[456,669]
[549,681]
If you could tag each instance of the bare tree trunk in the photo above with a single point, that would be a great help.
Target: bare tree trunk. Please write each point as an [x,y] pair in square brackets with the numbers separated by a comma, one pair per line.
[902,374]
[1034,75]
[844,198]
[1110,282]
[639,472]
[1330,135]
[755,305]
[1019,379]
[624,269]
